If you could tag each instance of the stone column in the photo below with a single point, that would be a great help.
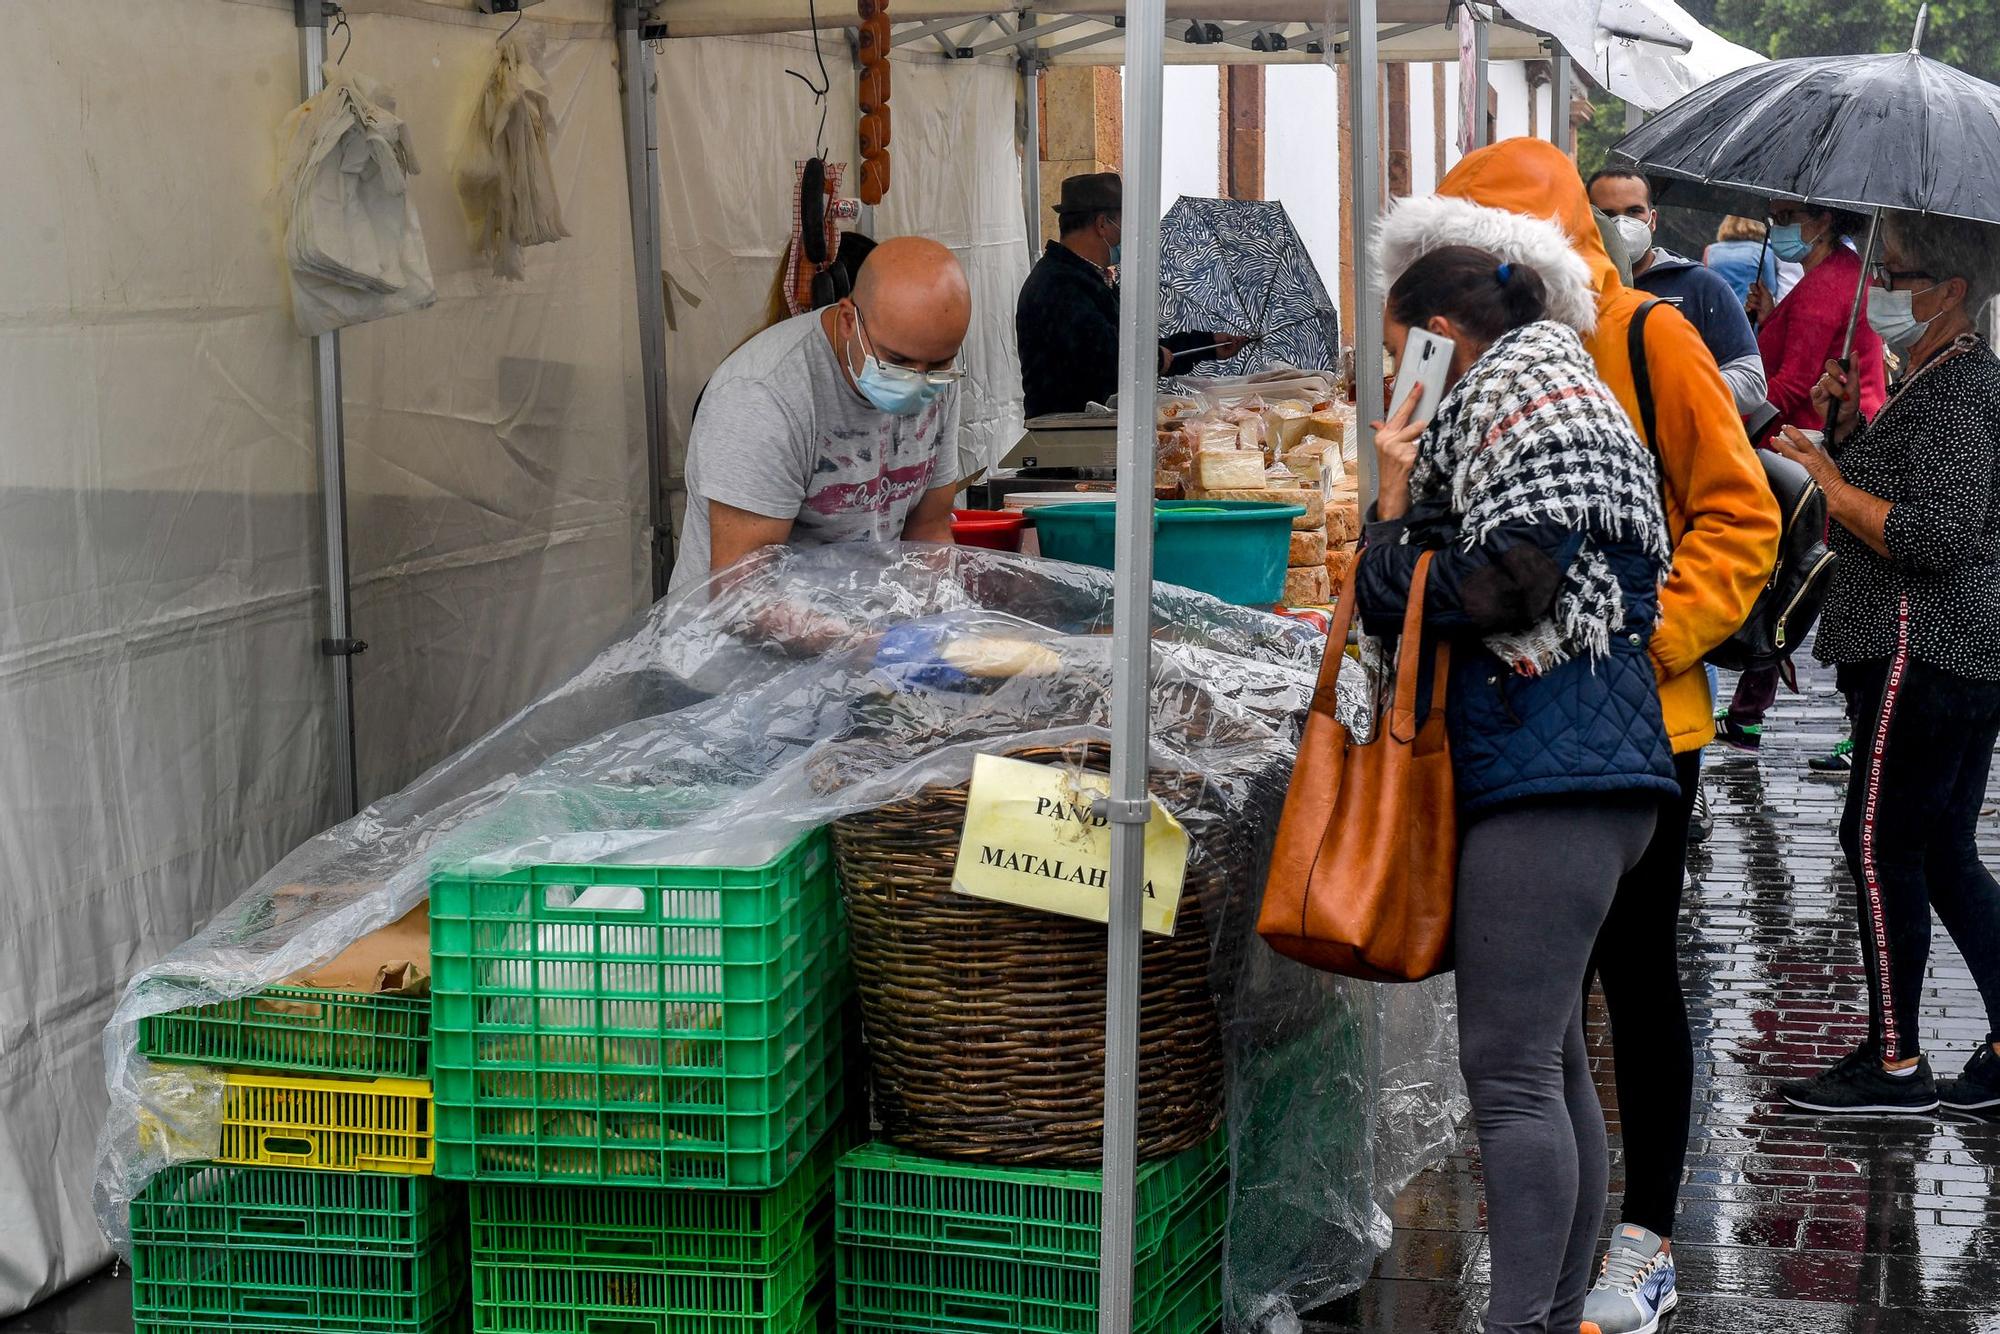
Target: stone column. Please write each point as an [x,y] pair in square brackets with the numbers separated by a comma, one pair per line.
[1083,127]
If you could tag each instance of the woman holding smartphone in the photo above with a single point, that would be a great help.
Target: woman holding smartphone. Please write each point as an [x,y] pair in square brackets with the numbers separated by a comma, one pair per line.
[1544,510]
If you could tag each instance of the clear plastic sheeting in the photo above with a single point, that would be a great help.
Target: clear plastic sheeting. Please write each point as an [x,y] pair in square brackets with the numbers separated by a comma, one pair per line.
[825,682]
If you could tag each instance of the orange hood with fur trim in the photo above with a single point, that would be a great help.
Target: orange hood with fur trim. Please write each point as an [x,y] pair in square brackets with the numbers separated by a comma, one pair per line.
[1724,521]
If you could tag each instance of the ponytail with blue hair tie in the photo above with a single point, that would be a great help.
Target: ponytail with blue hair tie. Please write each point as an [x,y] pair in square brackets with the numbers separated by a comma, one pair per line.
[1503,273]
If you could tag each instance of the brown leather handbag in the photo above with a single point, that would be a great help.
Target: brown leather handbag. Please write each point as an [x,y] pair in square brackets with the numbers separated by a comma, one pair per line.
[1366,863]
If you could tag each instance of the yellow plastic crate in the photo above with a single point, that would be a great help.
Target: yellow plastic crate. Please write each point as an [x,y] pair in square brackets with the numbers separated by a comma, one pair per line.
[334,1125]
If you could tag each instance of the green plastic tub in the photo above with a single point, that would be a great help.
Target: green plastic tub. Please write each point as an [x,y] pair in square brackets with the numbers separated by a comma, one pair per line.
[1236,550]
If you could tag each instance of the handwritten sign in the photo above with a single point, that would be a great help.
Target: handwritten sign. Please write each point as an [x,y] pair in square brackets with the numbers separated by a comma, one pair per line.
[1032,838]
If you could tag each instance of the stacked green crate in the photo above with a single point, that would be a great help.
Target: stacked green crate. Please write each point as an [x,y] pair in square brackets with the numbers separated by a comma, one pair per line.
[925,1246]
[298,1030]
[277,1249]
[674,1041]
[558,1260]
[623,1025]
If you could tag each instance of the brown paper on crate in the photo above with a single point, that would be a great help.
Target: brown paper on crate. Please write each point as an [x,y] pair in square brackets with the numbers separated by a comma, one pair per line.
[395,961]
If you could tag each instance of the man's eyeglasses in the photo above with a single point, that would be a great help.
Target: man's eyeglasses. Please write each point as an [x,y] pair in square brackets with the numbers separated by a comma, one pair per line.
[939,379]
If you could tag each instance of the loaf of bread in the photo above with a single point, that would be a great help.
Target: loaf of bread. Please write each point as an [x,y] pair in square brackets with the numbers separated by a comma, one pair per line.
[1308,548]
[1307,586]
[1230,470]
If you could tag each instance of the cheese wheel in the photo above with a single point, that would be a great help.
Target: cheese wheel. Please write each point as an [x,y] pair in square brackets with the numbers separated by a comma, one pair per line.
[1329,425]
[1234,469]
[1343,521]
[1315,506]
[1308,549]
[1337,565]
[1307,586]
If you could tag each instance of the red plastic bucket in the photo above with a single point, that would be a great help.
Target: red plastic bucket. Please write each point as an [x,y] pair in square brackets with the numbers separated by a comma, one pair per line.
[999,530]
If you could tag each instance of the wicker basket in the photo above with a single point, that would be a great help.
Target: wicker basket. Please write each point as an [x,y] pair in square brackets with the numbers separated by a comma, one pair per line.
[985,1022]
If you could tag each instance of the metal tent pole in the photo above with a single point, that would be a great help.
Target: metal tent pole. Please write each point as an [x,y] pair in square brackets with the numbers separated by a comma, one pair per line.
[1560,94]
[1031,145]
[1482,79]
[339,643]
[1131,647]
[1363,73]
[642,186]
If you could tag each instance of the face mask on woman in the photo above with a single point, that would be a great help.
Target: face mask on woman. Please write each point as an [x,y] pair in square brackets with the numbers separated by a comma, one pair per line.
[1788,242]
[1892,315]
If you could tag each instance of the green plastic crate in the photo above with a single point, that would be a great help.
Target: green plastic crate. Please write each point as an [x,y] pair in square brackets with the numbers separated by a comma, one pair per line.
[301,1029]
[274,1249]
[536,1298]
[700,1132]
[904,1201]
[680,1029]
[192,1206]
[929,1293]
[636,1228]
[1194,1306]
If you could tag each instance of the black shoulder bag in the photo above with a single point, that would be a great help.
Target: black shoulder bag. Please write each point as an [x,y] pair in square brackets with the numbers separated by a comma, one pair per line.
[1785,611]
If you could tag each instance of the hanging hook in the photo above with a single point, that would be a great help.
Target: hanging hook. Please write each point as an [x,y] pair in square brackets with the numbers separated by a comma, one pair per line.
[518,12]
[340,24]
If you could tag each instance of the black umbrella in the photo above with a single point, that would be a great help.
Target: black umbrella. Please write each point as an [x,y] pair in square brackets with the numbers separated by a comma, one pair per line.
[1860,132]
[1866,133]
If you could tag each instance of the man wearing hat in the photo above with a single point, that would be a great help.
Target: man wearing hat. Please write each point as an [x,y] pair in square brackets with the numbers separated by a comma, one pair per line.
[1066,322]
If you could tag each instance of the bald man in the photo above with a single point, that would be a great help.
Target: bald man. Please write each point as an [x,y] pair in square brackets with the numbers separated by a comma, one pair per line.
[835,426]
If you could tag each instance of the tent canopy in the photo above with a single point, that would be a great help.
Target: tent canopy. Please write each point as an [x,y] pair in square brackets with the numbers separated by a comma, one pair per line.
[1090,31]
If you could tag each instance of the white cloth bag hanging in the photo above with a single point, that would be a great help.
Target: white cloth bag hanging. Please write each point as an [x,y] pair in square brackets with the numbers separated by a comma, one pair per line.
[505,180]
[353,244]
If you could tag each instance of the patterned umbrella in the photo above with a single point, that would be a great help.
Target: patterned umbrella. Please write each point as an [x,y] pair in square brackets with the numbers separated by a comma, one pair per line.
[1238,266]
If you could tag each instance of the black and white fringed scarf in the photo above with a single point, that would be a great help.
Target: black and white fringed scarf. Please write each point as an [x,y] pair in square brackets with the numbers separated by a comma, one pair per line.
[1530,434]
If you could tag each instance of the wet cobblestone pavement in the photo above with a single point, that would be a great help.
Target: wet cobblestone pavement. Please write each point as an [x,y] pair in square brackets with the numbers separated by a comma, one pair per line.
[1787,1223]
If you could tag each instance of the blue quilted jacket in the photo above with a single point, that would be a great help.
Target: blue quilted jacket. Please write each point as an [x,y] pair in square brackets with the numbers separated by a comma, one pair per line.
[1584,727]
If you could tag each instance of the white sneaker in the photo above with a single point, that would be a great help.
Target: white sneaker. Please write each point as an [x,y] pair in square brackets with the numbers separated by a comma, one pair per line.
[1636,1291]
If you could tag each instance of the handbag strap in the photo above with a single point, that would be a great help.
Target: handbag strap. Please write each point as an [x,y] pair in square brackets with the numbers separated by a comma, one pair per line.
[1410,659]
[1326,692]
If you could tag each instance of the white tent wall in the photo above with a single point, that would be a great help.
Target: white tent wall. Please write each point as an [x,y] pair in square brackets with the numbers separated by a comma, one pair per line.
[166,706]
[496,474]
[733,123]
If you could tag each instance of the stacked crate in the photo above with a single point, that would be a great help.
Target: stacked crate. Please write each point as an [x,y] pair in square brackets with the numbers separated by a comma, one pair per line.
[641,1071]
[927,1246]
[319,1211]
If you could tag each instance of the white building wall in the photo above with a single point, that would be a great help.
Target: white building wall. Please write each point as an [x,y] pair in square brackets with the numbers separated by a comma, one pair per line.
[1191,134]
[1302,163]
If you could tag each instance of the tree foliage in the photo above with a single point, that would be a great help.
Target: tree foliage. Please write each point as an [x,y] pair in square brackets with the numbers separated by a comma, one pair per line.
[1964,33]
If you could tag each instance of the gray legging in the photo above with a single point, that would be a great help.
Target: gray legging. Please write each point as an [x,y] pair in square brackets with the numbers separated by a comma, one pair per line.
[1534,885]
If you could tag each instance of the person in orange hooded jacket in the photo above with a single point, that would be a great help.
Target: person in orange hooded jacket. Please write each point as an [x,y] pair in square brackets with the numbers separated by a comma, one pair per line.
[1724,525]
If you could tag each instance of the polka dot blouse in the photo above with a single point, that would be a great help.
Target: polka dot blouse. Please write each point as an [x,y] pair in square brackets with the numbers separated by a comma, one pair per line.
[1934,452]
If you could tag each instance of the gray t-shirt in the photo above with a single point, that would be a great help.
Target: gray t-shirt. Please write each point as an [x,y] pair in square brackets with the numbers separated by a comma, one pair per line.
[780,433]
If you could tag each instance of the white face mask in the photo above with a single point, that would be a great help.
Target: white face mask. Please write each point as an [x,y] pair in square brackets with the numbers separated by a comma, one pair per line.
[1891,314]
[1637,235]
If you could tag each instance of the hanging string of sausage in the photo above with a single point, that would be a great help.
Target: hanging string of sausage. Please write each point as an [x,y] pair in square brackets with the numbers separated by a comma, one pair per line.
[874,55]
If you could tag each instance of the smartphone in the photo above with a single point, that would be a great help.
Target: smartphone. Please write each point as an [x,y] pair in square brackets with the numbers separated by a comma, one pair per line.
[1422,369]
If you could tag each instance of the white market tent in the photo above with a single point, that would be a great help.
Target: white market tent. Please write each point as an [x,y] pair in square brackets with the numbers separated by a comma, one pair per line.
[195,499]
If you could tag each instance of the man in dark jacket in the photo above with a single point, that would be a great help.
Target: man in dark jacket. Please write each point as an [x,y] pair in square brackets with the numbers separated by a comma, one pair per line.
[1699,292]
[1066,321]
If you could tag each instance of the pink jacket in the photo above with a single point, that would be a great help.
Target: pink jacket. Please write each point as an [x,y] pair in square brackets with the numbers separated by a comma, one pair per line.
[1804,332]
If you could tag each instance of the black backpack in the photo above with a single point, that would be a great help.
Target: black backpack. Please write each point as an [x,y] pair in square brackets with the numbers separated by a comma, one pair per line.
[1785,611]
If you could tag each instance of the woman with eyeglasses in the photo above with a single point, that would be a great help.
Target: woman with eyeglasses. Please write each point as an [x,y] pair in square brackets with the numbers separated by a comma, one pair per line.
[1912,626]
[1796,338]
